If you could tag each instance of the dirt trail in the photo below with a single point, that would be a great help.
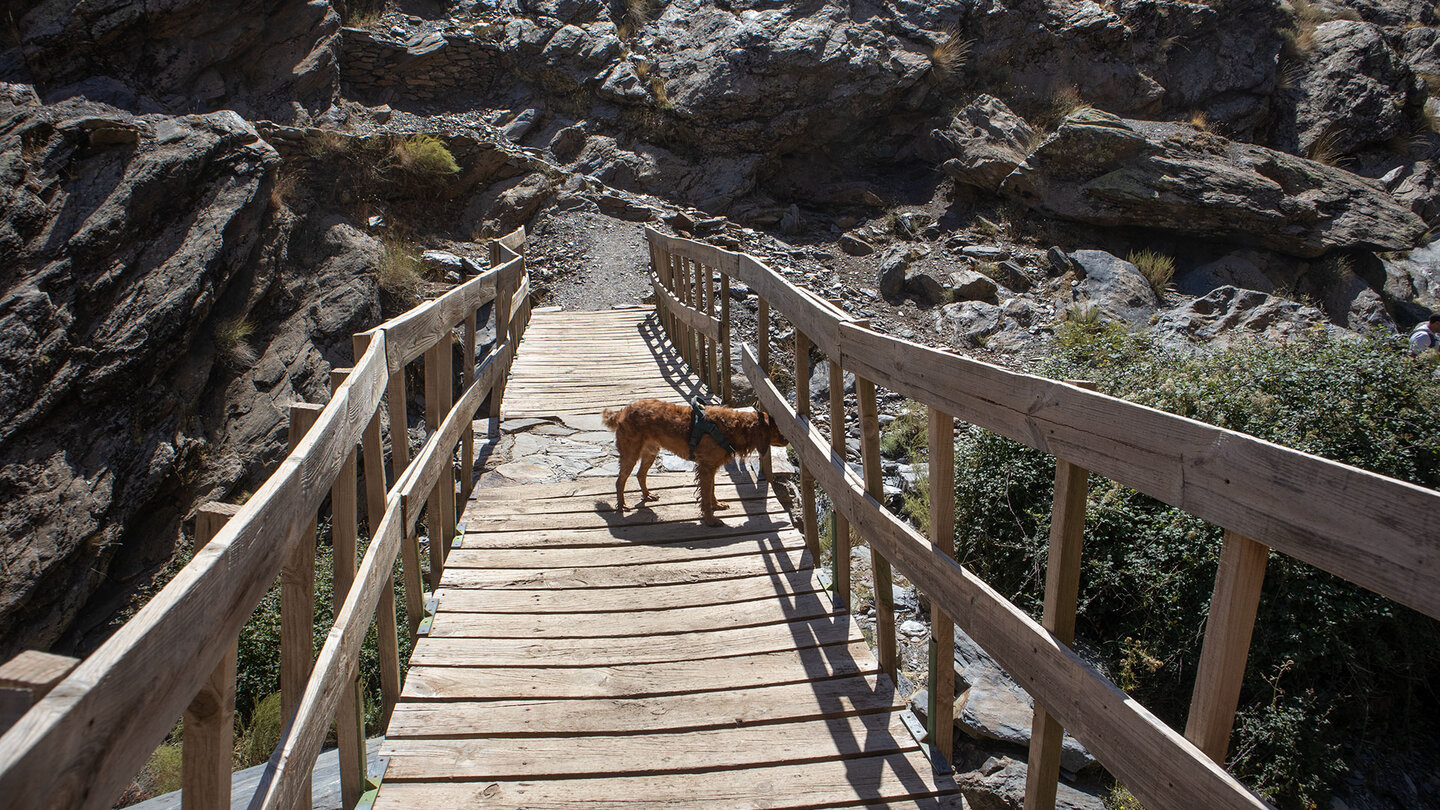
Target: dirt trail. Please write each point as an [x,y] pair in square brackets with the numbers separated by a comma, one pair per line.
[584,260]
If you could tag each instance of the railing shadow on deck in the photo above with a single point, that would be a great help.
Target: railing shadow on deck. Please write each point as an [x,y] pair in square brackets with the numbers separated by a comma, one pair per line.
[1371,530]
[83,741]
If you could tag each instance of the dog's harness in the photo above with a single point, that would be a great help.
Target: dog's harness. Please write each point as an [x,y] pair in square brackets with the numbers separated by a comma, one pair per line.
[700,426]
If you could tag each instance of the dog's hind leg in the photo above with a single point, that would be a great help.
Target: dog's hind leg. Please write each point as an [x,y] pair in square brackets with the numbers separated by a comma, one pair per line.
[705,480]
[647,457]
[627,463]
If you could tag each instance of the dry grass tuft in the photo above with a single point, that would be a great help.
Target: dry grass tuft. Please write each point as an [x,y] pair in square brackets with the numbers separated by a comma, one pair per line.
[1157,268]
[399,272]
[423,156]
[950,55]
[1326,149]
[231,338]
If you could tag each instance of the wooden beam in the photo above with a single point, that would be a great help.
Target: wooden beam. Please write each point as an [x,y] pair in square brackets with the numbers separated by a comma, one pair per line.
[807,482]
[27,678]
[881,580]
[840,543]
[297,592]
[1062,588]
[1227,644]
[725,370]
[467,376]
[208,748]
[439,391]
[762,340]
[940,438]
[710,380]
[344,539]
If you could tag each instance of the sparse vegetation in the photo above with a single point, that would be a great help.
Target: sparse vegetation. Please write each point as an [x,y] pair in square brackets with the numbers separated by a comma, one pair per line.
[985,227]
[423,157]
[1157,268]
[636,14]
[662,96]
[1081,313]
[1327,149]
[230,341]
[1066,102]
[399,272]
[1199,120]
[950,55]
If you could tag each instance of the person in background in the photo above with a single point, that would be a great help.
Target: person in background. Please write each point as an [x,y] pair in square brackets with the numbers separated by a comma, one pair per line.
[1425,336]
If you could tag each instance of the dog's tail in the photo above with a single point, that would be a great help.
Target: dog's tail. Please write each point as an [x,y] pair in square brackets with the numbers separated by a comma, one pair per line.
[611,417]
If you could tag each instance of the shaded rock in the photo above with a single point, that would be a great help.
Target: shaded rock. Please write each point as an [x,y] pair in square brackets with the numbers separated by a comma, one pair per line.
[1418,186]
[998,709]
[1228,313]
[892,272]
[999,784]
[612,205]
[1353,91]
[928,289]
[1116,286]
[1011,275]
[855,246]
[1415,276]
[1104,170]
[440,262]
[1060,262]
[983,142]
[1241,268]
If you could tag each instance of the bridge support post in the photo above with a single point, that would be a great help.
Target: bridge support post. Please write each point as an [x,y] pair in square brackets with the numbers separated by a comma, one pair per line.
[297,599]
[941,441]
[711,378]
[840,542]
[879,566]
[467,439]
[440,511]
[208,748]
[762,345]
[725,371]
[1227,644]
[1062,588]
[802,409]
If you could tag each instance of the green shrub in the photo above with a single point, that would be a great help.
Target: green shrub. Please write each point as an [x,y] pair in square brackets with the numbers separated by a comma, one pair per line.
[423,157]
[1353,662]
[262,732]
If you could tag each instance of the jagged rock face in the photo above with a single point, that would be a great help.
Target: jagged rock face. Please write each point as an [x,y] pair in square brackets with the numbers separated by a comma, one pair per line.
[1228,313]
[983,143]
[1104,170]
[124,233]
[260,59]
[1353,92]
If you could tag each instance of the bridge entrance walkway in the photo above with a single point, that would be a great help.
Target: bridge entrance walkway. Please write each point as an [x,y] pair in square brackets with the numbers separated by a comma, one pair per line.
[584,658]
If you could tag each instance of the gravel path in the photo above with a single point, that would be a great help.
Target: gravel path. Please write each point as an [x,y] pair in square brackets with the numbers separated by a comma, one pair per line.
[584,260]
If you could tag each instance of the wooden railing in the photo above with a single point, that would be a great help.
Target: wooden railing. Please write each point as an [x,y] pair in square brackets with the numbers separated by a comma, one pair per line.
[81,744]
[1371,530]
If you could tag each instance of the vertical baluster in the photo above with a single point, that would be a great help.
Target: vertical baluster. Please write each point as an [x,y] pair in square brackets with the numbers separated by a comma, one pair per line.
[802,409]
[209,737]
[297,599]
[1227,644]
[841,540]
[1062,588]
[504,291]
[344,541]
[879,565]
[467,439]
[762,345]
[941,716]
[711,378]
[440,509]
[725,371]
[386,633]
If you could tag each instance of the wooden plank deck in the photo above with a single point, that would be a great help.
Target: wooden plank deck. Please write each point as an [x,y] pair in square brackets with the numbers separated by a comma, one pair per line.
[582,658]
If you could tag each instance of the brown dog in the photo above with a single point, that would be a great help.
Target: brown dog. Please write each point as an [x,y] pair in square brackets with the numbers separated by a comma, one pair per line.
[646,425]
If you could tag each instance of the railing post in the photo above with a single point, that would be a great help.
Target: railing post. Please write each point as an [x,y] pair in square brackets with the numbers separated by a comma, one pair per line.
[386,633]
[208,749]
[710,377]
[1062,588]
[941,714]
[807,482]
[375,458]
[879,565]
[297,599]
[762,346]
[344,543]
[687,297]
[1227,644]
[840,551]
[725,338]
[439,392]
[467,439]
[26,679]
[503,294]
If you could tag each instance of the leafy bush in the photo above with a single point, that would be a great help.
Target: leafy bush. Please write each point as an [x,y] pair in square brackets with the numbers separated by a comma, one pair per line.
[1331,664]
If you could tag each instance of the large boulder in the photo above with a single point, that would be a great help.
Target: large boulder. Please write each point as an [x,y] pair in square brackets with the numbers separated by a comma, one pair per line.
[1228,313]
[271,59]
[1353,91]
[1106,170]
[999,784]
[983,142]
[1116,286]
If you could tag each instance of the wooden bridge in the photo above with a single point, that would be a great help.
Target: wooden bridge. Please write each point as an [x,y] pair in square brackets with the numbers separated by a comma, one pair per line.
[567,654]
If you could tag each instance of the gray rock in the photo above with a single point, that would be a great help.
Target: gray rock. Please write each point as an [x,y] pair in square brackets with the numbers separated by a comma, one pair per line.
[982,143]
[968,285]
[1241,268]
[1415,276]
[1116,286]
[1417,185]
[1011,275]
[892,270]
[1104,170]
[855,246]
[1060,261]
[986,253]
[999,784]
[967,323]
[440,262]
[1353,90]
[1228,312]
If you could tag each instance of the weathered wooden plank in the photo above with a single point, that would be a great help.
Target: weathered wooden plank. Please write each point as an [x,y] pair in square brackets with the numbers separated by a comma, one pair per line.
[881,583]
[836,697]
[870,782]
[634,680]
[409,335]
[628,623]
[594,652]
[619,576]
[1374,531]
[638,598]
[209,733]
[940,438]
[582,534]
[627,554]
[1159,766]
[637,754]
[679,508]
[27,678]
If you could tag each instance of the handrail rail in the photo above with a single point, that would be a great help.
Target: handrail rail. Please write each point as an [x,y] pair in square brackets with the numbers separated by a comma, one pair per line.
[82,743]
[1367,528]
